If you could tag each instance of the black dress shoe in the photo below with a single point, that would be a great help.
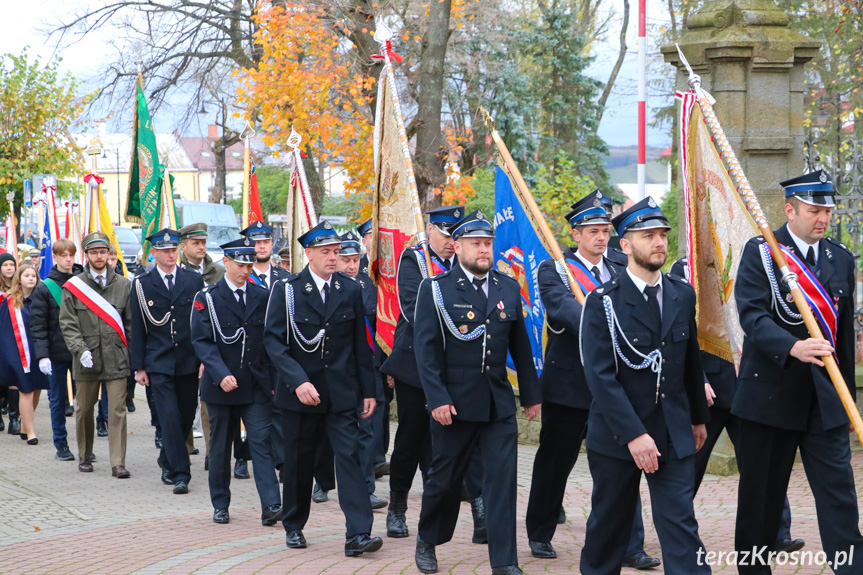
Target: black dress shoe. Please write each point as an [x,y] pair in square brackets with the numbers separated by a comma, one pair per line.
[640,561]
[181,488]
[507,570]
[295,540]
[425,557]
[561,517]
[14,427]
[195,451]
[102,429]
[319,495]
[241,469]
[157,439]
[271,515]
[542,550]
[377,502]
[166,473]
[23,436]
[34,441]
[362,543]
[2,424]
[130,406]
[788,545]
[221,516]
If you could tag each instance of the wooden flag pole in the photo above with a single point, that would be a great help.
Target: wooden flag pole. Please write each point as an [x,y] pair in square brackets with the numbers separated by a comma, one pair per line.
[69,393]
[788,277]
[521,187]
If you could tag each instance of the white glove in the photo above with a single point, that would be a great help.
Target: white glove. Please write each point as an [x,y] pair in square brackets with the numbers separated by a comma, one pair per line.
[87,359]
[45,366]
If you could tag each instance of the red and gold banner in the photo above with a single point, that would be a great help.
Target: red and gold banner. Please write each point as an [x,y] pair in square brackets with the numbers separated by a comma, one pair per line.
[395,213]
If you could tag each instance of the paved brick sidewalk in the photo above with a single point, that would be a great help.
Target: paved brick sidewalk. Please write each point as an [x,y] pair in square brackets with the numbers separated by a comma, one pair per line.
[57,520]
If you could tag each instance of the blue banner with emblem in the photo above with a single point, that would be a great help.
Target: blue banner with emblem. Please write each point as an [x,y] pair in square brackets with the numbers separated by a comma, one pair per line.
[518,251]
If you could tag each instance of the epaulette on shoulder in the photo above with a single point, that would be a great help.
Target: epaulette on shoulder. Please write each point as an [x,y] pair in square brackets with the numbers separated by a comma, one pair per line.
[441,275]
[206,288]
[606,287]
[678,279]
[839,244]
[503,275]
[290,278]
[256,286]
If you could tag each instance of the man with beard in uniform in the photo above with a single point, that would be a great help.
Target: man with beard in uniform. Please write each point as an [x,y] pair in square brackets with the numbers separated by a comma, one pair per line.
[785,400]
[467,319]
[161,354]
[649,407]
[566,397]
[412,445]
[315,336]
[227,333]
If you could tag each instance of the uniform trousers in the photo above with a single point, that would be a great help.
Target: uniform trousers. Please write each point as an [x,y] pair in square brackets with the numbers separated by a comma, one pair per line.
[615,487]
[560,440]
[224,419]
[85,400]
[454,446]
[176,398]
[382,425]
[721,418]
[765,456]
[325,475]
[412,446]
[303,432]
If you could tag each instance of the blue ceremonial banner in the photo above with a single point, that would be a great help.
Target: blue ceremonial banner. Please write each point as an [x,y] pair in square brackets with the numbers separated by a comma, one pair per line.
[518,252]
[46,259]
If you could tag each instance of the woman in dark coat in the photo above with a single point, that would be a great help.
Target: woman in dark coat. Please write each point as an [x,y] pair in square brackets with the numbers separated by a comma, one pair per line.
[17,347]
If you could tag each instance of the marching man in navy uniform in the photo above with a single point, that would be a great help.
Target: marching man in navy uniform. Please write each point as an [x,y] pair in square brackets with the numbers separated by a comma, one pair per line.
[161,354]
[466,321]
[412,446]
[227,331]
[649,407]
[315,336]
[565,396]
[785,400]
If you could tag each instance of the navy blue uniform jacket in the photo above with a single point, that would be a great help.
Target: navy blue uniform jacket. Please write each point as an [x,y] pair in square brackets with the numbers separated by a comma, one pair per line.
[624,399]
[451,370]
[165,349]
[341,369]
[773,387]
[221,359]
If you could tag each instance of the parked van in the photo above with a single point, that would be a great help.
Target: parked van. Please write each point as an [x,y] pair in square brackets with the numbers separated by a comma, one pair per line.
[221,220]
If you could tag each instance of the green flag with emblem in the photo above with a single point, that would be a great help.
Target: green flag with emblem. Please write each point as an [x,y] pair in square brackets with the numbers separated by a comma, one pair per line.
[143,203]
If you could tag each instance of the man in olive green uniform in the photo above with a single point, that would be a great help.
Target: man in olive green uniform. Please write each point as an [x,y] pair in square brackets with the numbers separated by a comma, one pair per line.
[194,256]
[96,324]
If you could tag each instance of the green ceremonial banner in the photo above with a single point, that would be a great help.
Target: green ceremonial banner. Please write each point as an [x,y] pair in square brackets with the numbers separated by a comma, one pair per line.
[143,204]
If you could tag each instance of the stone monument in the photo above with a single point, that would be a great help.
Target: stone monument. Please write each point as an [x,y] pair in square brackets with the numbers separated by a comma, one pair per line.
[751,61]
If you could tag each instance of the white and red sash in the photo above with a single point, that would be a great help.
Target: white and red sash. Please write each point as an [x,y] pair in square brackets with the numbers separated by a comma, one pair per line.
[97,304]
[20,331]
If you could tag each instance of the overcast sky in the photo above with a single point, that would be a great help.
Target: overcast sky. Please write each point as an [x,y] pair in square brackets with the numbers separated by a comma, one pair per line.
[83,60]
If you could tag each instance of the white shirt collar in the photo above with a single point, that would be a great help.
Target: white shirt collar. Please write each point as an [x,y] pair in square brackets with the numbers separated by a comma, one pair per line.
[173,273]
[266,274]
[589,266]
[233,286]
[319,281]
[641,284]
[470,277]
[802,245]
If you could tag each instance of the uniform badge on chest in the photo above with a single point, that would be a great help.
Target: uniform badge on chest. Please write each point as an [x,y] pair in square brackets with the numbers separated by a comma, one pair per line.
[308,288]
[470,315]
[463,328]
[150,303]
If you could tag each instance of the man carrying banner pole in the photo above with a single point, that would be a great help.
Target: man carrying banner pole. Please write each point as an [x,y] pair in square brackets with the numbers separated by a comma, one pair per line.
[566,397]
